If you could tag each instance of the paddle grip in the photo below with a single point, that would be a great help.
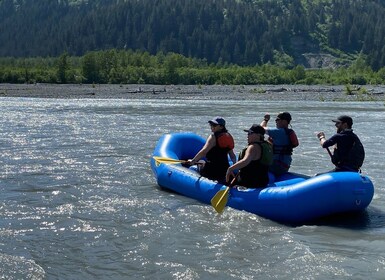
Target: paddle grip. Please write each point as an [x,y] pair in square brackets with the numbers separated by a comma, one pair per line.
[234,181]
[330,154]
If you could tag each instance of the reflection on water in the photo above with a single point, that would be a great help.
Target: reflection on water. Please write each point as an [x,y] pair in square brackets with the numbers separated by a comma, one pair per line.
[79,199]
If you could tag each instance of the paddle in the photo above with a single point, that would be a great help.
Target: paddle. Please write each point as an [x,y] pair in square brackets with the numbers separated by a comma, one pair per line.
[330,154]
[159,160]
[327,149]
[219,200]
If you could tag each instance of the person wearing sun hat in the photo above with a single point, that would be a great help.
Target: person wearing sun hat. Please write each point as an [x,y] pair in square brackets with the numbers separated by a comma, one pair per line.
[284,140]
[253,161]
[349,153]
[219,145]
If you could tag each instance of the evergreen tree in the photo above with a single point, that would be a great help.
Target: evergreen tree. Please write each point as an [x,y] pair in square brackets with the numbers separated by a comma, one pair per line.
[243,32]
[62,68]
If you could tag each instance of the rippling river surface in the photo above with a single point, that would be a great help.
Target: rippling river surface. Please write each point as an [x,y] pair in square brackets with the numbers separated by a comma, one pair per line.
[79,201]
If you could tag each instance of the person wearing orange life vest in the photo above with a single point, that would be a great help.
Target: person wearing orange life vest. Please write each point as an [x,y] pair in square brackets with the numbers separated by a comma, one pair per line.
[284,139]
[219,145]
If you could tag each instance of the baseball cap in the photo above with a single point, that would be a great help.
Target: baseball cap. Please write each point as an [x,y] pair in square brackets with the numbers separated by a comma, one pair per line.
[344,119]
[284,116]
[255,128]
[218,121]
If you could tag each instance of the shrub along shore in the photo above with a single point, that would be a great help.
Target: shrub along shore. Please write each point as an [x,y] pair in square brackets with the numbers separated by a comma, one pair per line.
[136,67]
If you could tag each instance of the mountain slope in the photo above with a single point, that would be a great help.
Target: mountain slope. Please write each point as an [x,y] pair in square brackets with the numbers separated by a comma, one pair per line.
[323,33]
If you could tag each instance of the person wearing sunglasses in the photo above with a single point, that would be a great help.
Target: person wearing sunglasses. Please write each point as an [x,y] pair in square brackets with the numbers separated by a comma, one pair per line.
[219,145]
[349,153]
[284,140]
[253,161]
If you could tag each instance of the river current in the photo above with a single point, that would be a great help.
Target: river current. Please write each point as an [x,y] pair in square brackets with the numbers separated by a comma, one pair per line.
[79,200]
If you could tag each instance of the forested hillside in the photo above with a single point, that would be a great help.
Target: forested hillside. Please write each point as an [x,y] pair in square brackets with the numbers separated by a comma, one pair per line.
[314,33]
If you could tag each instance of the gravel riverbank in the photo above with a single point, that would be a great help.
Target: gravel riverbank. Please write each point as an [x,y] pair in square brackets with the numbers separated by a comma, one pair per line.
[231,92]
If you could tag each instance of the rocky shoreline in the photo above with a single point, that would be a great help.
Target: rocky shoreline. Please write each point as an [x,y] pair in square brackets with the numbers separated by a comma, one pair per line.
[221,92]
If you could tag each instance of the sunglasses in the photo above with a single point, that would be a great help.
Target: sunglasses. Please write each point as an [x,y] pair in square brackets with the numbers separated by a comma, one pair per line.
[337,123]
[277,120]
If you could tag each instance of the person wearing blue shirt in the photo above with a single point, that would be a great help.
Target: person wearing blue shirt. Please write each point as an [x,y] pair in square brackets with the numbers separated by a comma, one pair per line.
[283,139]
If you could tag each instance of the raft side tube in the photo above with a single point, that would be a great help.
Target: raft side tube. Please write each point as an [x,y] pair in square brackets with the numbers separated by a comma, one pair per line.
[188,182]
[307,199]
[174,146]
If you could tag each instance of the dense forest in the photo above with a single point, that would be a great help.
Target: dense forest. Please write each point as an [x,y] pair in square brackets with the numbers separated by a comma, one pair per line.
[311,33]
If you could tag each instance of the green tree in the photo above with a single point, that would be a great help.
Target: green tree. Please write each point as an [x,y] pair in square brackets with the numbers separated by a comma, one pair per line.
[90,68]
[298,73]
[62,68]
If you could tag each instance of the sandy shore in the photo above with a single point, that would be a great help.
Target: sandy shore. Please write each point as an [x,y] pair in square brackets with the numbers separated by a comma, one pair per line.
[253,92]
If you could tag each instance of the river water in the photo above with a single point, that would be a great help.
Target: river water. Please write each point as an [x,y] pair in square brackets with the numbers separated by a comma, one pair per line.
[79,201]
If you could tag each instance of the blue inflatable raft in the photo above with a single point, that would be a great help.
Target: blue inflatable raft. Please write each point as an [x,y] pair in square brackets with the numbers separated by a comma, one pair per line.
[291,198]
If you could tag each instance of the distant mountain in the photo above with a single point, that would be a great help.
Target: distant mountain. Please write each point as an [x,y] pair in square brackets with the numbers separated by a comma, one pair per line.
[316,34]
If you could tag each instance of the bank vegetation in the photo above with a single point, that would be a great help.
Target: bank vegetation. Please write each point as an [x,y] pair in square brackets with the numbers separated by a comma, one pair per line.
[136,67]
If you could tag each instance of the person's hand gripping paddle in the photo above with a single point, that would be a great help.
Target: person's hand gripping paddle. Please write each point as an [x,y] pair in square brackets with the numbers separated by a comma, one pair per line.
[219,200]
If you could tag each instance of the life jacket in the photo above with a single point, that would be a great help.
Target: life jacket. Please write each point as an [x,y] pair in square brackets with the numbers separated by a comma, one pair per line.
[266,153]
[224,143]
[255,174]
[217,158]
[353,159]
[287,149]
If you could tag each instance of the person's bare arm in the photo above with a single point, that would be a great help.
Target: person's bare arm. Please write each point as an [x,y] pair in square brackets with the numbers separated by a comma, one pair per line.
[266,119]
[253,152]
[210,143]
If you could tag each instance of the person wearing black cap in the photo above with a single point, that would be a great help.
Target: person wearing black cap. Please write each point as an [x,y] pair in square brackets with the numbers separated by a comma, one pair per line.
[254,160]
[219,145]
[349,153]
[284,139]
